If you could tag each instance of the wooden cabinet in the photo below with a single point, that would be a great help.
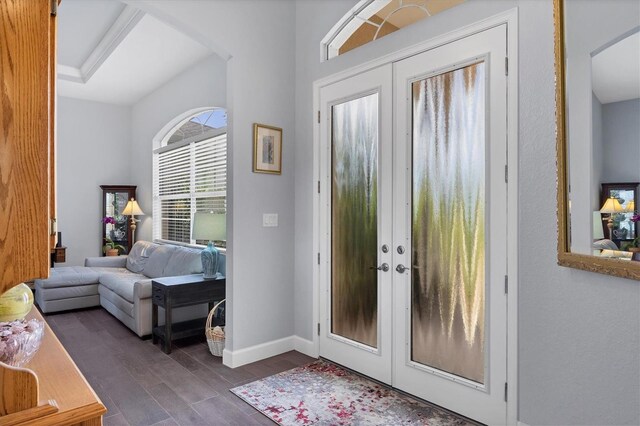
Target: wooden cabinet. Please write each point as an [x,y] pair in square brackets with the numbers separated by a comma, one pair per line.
[114,200]
[60,395]
[27,143]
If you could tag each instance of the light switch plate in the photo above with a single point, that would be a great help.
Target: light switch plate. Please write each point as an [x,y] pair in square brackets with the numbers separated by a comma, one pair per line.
[270,219]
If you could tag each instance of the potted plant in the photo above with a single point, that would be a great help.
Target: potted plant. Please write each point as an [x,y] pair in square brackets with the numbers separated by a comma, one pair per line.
[111,248]
[108,220]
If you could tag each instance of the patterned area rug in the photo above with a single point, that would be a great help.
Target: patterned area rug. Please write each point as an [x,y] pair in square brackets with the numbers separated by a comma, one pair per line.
[322,393]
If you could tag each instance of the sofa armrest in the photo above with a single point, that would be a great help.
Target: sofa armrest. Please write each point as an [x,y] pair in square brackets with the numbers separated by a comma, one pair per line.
[142,289]
[107,261]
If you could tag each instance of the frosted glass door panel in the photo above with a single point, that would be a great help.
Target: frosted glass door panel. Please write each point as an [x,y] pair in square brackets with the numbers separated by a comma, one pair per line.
[354,219]
[448,222]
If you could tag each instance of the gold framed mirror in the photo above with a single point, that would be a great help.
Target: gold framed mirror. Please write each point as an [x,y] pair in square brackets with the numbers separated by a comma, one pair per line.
[597,65]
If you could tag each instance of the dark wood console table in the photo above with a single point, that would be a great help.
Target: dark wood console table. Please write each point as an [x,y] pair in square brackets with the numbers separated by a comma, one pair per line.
[174,292]
[58,255]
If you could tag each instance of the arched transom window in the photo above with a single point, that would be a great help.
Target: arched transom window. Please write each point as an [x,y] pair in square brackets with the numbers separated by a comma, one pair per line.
[372,19]
[201,124]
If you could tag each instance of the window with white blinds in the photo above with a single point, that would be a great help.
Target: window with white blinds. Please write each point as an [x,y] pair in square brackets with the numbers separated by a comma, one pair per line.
[190,178]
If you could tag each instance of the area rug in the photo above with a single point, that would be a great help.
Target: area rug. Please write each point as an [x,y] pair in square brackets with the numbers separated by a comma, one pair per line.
[322,393]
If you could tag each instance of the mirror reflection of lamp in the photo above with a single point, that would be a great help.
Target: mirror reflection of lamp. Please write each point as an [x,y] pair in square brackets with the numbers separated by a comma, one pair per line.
[611,206]
[631,207]
[598,233]
[132,209]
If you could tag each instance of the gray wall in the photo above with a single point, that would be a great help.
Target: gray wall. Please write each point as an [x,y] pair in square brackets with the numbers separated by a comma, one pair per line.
[258,38]
[597,159]
[621,139]
[579,332]
[93,149]
[114,143]
[202,85]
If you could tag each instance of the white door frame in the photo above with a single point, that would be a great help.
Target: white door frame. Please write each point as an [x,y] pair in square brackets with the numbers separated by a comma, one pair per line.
[510,18]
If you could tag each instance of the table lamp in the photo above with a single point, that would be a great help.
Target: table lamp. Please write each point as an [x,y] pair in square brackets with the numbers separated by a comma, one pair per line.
[598,233]
[132,209]
[631,207]
[209,227]
[611,206]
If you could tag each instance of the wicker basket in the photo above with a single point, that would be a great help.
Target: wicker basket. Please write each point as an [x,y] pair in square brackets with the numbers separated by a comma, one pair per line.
[215,335]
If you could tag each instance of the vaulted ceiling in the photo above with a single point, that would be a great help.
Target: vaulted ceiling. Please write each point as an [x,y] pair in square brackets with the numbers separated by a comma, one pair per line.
[615,71]
[114,53]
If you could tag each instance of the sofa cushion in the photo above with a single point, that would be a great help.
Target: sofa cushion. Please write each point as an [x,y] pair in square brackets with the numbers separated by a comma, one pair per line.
[69,276]
[106,262]
[183,261]
[67,292]
[142,289]
[605,245]
[139,256]
[121,284]
[117,301]
[105,270]
[156,263]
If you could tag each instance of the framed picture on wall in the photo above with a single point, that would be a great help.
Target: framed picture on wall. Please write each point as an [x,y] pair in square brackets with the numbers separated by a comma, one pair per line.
[267,149]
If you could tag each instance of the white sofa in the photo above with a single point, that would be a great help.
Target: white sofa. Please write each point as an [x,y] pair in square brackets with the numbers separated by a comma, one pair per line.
[122,284]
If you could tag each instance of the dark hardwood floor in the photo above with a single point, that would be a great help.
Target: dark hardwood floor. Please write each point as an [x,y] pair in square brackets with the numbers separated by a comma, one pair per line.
[141,385]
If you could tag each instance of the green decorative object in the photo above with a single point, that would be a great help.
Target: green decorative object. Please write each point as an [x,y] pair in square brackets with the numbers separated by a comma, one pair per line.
[16,303]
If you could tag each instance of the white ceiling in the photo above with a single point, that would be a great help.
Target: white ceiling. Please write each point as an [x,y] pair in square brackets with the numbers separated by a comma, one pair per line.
[112,53]
[615,71]
[81,26]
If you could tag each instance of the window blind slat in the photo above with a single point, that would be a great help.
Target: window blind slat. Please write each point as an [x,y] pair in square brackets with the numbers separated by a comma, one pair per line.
[191,178]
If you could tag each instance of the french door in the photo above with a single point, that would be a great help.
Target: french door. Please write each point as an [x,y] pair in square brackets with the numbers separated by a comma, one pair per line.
[450,198]
[355,221]
[414,225]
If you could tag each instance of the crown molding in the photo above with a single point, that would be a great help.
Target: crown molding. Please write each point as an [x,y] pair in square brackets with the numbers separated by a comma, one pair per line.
[122,26]
[66,72]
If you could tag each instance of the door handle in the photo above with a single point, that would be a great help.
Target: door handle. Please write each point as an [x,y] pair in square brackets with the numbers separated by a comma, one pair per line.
[384,267]
[401,268]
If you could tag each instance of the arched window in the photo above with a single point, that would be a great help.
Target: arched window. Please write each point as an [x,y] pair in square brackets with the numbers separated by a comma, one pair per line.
[190,175]
[372,19]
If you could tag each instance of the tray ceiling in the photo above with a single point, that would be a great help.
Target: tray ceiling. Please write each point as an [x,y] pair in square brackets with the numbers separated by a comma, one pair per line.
[114,53]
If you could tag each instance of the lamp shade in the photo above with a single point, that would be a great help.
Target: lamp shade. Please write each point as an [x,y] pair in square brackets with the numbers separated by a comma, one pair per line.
[611,205]
[631,206]
[209,227]
[598,232]
[132,209]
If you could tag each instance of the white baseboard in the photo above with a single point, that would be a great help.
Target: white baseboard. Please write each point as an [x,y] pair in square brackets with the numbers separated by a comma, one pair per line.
[305,346]
[522,424]
[255,353]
